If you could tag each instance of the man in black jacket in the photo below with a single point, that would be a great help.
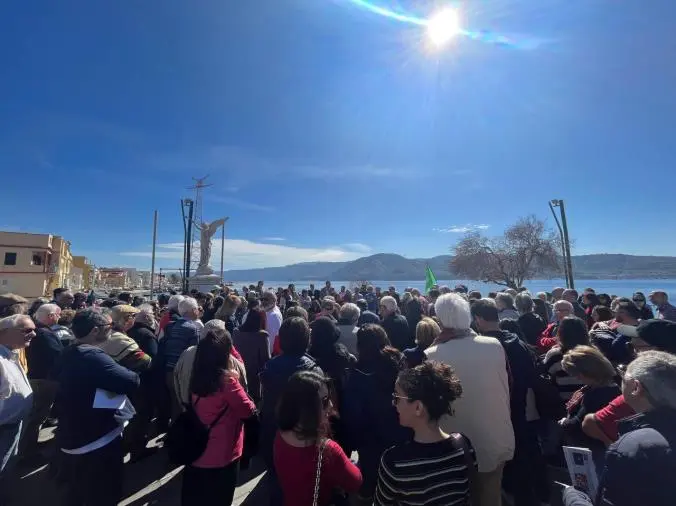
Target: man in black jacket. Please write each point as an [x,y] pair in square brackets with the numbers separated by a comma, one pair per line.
[42,355]
[640,466]
[90,436]
[395,324]
[525,475]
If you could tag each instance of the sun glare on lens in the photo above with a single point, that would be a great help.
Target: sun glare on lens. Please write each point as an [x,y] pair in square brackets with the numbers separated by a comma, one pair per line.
[443,26]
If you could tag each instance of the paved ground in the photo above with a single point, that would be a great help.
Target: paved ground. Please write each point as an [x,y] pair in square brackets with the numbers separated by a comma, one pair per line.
[152,481]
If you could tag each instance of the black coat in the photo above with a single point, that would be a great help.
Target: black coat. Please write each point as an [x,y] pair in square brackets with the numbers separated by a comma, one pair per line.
[522,375]
[144,336]
[43,353]
[532,326]
[398,332]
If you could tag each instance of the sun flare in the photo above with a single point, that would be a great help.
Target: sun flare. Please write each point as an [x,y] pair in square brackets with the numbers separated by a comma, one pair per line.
[443,26]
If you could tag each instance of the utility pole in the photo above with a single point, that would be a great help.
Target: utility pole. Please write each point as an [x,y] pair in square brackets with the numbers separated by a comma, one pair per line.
[563,246]
[563,228]
[187,246]
[152,265]
[222,250]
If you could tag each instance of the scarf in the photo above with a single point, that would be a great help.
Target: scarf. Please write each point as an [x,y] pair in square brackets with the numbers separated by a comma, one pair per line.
[449,334]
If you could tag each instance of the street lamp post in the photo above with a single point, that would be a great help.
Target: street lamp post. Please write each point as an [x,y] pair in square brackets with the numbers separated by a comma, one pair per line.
[563,229]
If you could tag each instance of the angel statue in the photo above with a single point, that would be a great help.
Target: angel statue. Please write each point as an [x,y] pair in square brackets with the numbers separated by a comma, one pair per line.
[207,231]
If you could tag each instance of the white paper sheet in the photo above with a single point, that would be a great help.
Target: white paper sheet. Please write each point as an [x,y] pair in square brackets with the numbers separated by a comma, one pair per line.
[108,400]
[581,469]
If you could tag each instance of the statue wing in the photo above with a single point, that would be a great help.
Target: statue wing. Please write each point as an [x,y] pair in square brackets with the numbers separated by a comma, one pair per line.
[215,225]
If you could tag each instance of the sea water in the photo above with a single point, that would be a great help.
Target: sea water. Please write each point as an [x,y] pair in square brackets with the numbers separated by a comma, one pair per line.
[619,287]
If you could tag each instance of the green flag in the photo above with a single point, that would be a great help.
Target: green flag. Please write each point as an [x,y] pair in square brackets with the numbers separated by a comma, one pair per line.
[430,280]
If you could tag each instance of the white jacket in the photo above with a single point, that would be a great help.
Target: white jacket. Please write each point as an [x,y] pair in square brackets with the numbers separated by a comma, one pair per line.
[482,413]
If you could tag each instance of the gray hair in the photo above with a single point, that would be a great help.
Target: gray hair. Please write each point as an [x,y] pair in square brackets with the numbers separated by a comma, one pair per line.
[146,315]
[389,302]
[350,312]
[269,296]
[542,295]
[505,299]
[186,305]
[12,322]
[211,325]
[453,311]
[656,371]
[523,303]
[174,301]
[45,310]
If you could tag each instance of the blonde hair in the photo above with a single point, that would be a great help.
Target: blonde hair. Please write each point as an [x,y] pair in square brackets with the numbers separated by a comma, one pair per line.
[589,362]
[426,332]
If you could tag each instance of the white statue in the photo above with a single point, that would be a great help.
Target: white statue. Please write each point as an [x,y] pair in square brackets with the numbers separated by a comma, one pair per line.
[207,231]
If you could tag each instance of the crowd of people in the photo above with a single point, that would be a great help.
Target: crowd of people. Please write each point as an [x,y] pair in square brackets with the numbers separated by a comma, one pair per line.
[349,396]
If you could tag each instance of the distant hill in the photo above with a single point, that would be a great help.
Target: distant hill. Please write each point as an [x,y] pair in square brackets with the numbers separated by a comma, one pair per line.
[390,267]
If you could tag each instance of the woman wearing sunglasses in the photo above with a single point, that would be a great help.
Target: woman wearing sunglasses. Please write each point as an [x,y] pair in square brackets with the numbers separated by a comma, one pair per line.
[312,469]
[434,468]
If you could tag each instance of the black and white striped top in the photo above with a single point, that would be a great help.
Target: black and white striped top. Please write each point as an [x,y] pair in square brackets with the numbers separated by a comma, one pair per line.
[431,474]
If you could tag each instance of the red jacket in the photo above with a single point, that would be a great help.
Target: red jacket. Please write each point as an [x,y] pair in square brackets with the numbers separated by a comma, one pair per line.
[548,338]
[226,438]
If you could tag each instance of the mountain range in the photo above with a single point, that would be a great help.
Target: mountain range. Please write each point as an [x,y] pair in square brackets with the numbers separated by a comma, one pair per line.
[391,267]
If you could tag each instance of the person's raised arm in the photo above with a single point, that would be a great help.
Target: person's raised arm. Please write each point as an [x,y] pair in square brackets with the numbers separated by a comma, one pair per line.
[592,428]
[237,398]
[111,376]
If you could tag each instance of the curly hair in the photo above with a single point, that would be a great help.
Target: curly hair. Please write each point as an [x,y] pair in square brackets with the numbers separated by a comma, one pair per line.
[434,384]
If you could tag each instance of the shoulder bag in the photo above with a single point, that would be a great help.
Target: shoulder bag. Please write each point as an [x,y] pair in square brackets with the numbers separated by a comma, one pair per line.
[187,437]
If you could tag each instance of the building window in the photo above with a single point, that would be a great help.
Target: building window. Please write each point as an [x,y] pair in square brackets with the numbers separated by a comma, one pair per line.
[3,282]
[38,258]
[10,258]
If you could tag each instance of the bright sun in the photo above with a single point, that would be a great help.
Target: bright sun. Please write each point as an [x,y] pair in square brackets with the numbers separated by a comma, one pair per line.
[443,26]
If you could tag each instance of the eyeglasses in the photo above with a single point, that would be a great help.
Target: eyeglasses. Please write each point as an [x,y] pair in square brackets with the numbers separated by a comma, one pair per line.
[396,398]
[26,331]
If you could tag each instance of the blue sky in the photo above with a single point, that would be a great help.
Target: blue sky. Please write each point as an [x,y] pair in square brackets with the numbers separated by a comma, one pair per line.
[330,132]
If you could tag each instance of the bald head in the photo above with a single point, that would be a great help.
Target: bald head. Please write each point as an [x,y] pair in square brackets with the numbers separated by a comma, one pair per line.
[562,309]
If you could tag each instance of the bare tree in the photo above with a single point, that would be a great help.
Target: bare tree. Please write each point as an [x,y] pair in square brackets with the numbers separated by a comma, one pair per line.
[526,249]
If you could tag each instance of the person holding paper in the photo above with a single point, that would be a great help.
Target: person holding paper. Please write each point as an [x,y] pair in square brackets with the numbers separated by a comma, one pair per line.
[90,436]
[641,465]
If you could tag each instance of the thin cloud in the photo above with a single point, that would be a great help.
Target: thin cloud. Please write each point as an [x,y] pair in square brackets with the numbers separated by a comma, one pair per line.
[273,239]
[461,229]
[358,247]
[243,204]
[245,254]
[361,172]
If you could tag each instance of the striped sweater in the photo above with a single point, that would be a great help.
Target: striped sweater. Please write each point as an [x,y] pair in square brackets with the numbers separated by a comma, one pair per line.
[430,474]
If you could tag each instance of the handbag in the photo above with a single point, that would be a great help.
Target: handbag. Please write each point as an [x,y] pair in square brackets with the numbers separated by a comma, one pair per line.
[252,434]
[187,437]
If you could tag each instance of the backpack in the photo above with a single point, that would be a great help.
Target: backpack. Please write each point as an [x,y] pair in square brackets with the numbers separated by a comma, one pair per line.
[187,436]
